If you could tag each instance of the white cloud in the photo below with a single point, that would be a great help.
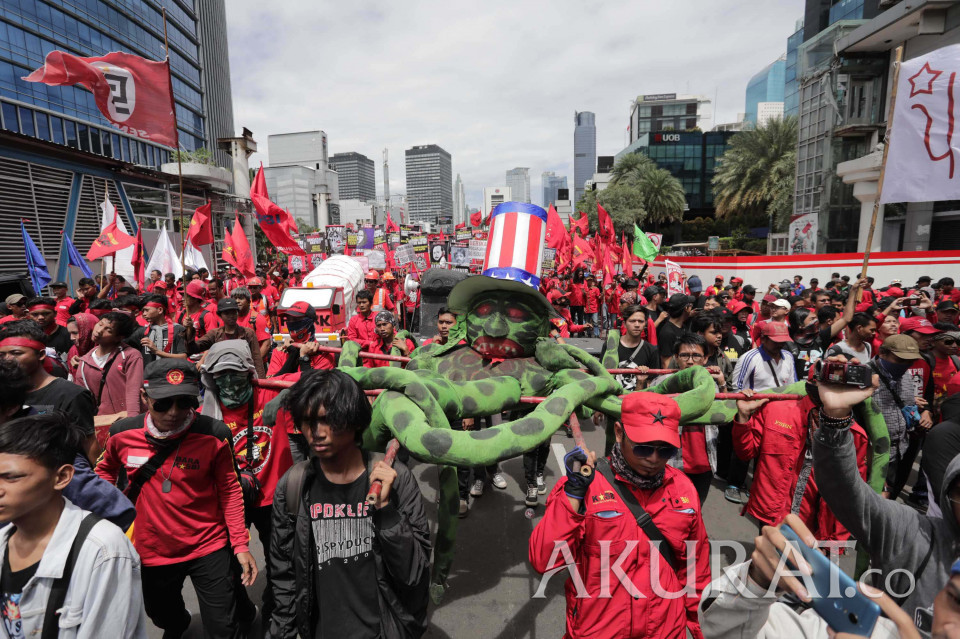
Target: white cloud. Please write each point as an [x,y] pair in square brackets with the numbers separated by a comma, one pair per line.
[494,83]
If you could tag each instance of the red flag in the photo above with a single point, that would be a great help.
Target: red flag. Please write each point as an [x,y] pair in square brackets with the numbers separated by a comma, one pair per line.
[608,269]
[275,223]
[557,236]
[461,225]
[110,240]
[476,218]
[134,94]
[139,261]
[605,225]
[392,226]
[582,224]
[626,258]
[582,251]
[236,249]
[201,226]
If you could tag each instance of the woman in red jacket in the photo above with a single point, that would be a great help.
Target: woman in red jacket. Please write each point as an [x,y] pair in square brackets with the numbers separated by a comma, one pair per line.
[778,435]
[587,528]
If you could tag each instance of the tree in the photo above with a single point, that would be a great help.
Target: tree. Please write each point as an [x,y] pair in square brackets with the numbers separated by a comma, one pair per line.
[630,167]
[756,174]
[663,196]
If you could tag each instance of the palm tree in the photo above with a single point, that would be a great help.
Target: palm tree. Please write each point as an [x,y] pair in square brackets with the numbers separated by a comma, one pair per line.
[756,174]
[663,196]
[629,167]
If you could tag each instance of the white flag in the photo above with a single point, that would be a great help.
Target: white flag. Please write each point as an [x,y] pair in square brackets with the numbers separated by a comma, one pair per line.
[122,261]
[923,161]
[193,258]
[164,256]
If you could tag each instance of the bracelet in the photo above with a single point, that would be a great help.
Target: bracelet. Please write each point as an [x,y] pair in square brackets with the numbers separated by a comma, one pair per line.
[835,422]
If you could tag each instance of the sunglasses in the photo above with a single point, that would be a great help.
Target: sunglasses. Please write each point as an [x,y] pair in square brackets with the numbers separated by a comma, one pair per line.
[182,401]
[646,450]
[949,341]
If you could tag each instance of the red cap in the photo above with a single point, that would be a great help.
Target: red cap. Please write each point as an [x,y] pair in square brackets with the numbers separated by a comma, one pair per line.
[254,281]
[736,279]
[159,284]
[300,309]
[554,295]
[776,331]
[918,324]
[736,306]
[649,417]
[770,297]
[198,289]
[894,291]
[718,277]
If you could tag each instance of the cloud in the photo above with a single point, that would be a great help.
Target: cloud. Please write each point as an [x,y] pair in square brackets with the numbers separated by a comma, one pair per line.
[495,83]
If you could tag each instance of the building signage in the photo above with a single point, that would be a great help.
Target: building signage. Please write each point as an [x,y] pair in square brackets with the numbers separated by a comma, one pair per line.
[656,97]
[666,137]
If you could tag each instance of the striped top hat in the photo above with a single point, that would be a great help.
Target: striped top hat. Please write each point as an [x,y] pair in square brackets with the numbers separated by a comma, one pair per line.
[513,261]
[518,232]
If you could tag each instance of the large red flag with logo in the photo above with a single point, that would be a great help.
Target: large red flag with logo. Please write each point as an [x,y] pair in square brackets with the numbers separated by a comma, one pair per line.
[581,224]
[476,218]
[557,237]
[236,249]
[392,226]
[110,240]
[201,226]
[133,93]
[582,251]
[275,223]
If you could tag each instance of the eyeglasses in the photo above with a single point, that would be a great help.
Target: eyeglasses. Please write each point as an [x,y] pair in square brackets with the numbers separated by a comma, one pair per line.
[646,450]
[949,341]
[182,401]
[690,356]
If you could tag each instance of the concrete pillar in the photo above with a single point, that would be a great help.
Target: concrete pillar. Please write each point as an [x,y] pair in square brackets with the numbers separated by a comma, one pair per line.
[916,228]
[864,174]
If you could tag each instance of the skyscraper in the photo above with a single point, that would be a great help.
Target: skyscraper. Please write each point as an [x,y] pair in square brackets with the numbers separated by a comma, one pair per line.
[550,182]
[429,184]
[584,151]
[518,180]
[766,86]
[459,202]
[357,176]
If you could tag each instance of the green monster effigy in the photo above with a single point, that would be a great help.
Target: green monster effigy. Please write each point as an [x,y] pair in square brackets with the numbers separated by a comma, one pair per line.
[498,352]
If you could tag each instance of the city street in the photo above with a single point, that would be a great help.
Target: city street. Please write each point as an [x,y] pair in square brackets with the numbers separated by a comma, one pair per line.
[491,585]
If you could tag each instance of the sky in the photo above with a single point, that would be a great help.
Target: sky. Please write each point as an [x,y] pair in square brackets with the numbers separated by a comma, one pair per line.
[495,83]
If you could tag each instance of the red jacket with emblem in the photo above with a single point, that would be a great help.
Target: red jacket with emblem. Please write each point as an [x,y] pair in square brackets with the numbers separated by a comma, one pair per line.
[777,436]
[607,532]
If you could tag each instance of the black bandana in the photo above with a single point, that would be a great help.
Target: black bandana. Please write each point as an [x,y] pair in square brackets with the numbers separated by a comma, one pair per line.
[622,468]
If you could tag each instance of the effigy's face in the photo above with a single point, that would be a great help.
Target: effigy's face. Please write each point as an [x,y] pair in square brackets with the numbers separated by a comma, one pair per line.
[504,325]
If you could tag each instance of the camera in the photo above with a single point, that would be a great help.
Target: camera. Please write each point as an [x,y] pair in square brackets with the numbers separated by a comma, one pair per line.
[844,373]
[910,301]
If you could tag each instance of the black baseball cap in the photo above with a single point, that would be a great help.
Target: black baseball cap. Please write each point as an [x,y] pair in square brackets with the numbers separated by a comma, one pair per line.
[227,304]
[169,377]
[59,285]
[924,278]
[650,291]
[679,300]
[749,288]
[946,305]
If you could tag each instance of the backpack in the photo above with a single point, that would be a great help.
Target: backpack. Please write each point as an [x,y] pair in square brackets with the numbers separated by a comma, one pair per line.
[295,478]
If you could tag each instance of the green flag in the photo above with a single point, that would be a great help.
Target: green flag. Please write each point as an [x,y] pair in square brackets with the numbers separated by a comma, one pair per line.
[642,246]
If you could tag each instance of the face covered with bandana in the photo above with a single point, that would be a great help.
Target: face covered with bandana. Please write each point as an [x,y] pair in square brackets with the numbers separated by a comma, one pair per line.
[502,325]
[301,329]
[233,388]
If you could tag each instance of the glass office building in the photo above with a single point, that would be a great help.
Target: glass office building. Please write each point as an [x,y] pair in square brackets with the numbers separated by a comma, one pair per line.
[691,157]
[59,156]
[766,86]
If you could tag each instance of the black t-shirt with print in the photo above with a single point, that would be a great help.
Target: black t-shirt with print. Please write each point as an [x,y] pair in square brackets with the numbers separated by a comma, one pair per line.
[68,397]
[646,356]
[667,335]
[346,576]
[11,589]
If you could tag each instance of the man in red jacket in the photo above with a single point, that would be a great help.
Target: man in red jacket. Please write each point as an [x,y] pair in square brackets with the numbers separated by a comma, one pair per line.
[190,518]
[587,527]
[361,328]
[778,436]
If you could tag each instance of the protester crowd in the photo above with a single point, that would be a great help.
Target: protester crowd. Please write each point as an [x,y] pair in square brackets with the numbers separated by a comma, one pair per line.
[134,454]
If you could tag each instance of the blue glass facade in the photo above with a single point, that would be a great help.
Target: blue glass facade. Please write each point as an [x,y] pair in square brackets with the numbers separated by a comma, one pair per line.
[791,90]
[766,86]
[30,29]
[845,10]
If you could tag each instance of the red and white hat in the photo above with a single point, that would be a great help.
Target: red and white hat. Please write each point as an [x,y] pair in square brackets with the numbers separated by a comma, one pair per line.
[518,232]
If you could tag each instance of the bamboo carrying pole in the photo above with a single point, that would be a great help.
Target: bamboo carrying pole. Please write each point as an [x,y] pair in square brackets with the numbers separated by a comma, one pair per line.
[176,132]
[585,469]
[376,485]
[897,59]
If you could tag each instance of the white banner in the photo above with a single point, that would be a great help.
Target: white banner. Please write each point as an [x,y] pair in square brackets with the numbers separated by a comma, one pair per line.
[122,262]
[164,256]
[803,234]
[674,278]
[922,161]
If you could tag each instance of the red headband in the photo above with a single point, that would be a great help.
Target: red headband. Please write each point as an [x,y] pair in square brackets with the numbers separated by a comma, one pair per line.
[155,305]
[99,312]
[42,306]
[23,341]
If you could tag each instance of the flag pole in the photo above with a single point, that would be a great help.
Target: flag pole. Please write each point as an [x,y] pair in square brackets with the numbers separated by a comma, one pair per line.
[897,59]
[176,133]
